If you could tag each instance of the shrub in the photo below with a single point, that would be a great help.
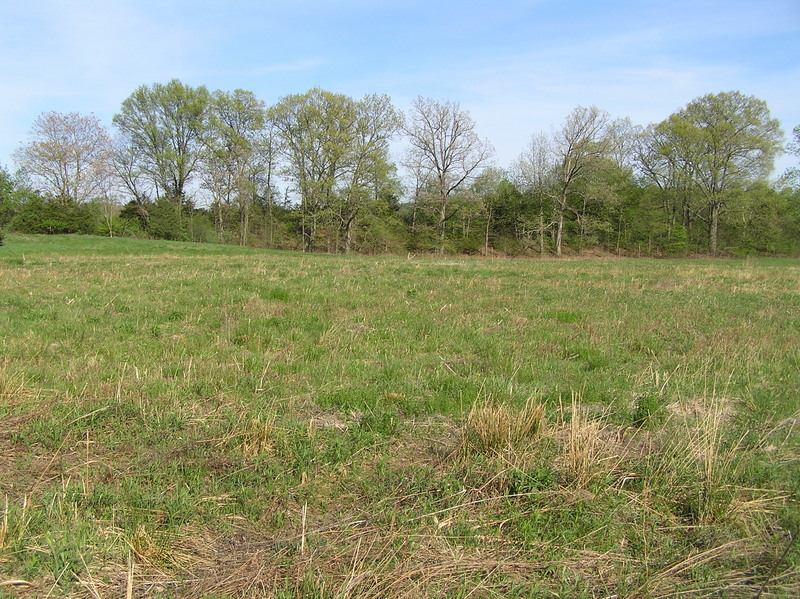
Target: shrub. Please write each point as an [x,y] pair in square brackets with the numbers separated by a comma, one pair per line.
[677,242]
[649,410]
[166,221]
[52,216]
[510,246]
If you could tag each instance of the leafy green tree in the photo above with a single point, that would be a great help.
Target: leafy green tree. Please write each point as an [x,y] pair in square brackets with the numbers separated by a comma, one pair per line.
[232,158]
[724,141]
[336,155]
[515,224]
[759,221]
[136,212]
[8,205]
[269,208]
[45,215]
[792,175]
[161,125]
[502,208]
[315,129]
[602,199]
[369,177]
[657,160]
[163,222]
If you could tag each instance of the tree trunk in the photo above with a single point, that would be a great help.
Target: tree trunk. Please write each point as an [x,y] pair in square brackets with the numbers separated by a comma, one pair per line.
[270,224]
[716,208]
[347,232]
[541,232]
[217,210]
[486,237]
[562,207]
[442,223]
[244,225]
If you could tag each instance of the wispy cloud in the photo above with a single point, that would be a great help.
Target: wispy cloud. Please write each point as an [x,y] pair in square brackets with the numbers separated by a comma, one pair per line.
[519,68]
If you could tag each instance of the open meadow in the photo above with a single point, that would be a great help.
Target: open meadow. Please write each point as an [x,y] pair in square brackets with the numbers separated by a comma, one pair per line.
[191,420]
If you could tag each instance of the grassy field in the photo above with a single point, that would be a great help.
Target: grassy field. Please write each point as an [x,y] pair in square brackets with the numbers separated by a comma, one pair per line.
[182,420]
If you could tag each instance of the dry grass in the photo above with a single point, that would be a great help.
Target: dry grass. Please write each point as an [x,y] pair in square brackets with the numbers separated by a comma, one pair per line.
[4,532]
[372,562]
[13,388]
[257,435]
[591,448]
[497,428]
[583,453]
[756,580]
[701,462]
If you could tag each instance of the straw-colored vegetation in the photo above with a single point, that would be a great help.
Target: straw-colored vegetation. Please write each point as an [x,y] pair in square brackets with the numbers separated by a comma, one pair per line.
[493,427]
[215,422]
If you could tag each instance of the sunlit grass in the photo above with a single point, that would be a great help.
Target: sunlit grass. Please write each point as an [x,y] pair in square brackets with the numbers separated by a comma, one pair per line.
[364,425]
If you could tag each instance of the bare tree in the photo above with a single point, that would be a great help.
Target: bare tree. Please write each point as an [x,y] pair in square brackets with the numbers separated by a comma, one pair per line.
[445,152]
[534,172]
[580,141]
[69,155]
[129,172]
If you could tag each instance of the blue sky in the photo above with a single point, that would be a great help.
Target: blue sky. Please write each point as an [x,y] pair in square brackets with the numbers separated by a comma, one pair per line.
[519,67]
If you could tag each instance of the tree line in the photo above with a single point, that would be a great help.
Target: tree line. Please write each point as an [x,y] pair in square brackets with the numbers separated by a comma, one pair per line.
[314,172]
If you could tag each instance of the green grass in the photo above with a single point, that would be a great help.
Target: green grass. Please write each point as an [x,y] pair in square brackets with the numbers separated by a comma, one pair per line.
[213,421]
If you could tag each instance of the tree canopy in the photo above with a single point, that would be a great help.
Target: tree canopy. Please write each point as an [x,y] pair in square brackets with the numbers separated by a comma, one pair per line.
[722,142]
[163,125]
[315,172]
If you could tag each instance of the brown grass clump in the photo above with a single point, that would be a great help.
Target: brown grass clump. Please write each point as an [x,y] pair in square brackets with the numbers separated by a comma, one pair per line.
[494,428]
[591,448]
[583,454]
[257,435]
[12,388]
[4,533]
[144,546]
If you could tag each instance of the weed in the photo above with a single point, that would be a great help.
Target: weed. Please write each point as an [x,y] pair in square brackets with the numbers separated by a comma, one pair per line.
[649,411]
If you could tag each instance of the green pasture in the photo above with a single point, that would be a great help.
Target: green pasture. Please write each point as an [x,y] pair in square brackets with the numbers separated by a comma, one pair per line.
[193,420]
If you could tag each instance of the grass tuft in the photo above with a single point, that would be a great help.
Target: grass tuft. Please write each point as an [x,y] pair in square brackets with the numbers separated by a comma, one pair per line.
[145,547]
[257,436]
[497,428]
[13,388]
[587,451]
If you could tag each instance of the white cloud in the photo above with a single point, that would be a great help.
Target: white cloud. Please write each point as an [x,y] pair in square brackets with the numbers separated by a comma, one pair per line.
[517,72]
